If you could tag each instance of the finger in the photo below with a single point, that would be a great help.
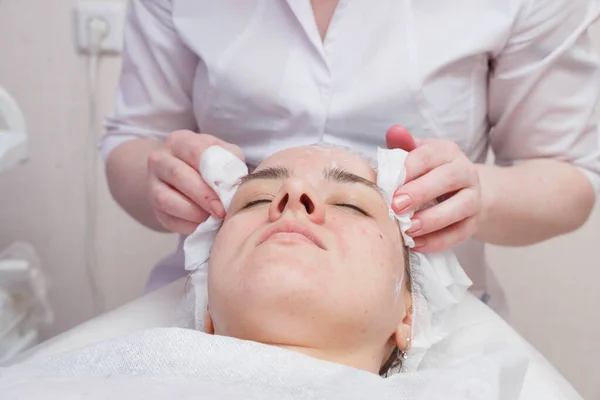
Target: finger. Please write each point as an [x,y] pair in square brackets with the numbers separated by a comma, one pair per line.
[188,181]
[189,146]
[175,224]
[445,179]
[398,137]
[462,205]
[428,156]
[232,148]
[447,238]
[168,201]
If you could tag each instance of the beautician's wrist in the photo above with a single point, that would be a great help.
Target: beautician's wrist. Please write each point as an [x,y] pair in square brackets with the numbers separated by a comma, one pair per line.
[126,172]
[487,183]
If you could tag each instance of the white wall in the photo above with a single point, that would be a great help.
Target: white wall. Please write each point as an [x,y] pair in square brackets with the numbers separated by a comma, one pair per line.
[43,201]
[553,288]
[554,293]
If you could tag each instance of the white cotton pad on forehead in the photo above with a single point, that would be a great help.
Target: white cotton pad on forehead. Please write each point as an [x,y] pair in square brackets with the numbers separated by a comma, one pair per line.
[391,174]
[438,280]
[222,171]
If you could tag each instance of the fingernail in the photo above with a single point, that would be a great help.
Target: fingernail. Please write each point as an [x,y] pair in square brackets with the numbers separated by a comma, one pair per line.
[419,243]
[216,209]
[416,226]
[402,202]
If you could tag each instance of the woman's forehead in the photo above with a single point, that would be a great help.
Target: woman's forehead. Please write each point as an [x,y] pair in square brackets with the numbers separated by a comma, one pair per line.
[309,159]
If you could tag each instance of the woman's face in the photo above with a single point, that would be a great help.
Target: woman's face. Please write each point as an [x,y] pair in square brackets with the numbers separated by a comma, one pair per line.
[309,256]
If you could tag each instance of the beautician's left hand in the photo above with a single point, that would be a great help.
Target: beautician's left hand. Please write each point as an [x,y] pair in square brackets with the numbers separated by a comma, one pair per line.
[437,169]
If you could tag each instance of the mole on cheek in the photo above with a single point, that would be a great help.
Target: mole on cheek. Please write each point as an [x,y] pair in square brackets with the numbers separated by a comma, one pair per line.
[380,236]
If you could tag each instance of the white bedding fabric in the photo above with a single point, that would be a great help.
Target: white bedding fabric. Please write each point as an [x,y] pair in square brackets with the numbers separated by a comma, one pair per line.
[478,330]
[163,361]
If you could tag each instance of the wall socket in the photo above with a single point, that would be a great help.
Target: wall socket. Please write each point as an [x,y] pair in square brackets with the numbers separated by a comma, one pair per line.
[112,13]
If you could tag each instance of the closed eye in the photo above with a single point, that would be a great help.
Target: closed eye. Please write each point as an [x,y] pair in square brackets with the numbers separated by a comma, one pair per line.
[353,207]
[256,202]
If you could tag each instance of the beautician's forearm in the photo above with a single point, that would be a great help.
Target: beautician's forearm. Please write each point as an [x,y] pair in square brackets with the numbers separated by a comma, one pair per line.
[533,201]
[126,172]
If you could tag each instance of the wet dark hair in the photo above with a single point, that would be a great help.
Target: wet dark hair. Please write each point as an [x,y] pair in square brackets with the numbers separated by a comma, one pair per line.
[394,361]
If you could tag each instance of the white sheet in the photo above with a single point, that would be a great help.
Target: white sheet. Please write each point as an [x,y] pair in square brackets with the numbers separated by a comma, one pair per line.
[479,329]
[198,365]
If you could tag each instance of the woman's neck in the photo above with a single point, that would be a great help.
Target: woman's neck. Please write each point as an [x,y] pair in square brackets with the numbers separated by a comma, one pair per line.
[365,359]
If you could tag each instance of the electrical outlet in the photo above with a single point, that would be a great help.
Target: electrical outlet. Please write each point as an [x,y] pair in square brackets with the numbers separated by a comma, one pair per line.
[110,12]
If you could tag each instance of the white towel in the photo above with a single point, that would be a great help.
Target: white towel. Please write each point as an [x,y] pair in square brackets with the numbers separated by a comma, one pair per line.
[187,364]
[439,282]
[222,171]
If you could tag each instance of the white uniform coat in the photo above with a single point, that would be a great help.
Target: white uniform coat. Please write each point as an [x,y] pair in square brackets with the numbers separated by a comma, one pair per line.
[517,76]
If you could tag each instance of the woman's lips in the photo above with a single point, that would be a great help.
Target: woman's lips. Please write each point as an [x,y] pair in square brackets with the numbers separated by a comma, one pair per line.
[291,232]
[289,237]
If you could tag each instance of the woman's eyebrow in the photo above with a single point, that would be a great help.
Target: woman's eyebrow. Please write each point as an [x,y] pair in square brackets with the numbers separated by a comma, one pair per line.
[340,175]
[335,174]
[273,173]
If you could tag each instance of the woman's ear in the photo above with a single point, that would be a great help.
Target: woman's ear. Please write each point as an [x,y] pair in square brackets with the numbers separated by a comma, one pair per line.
[403,334]
[208,322]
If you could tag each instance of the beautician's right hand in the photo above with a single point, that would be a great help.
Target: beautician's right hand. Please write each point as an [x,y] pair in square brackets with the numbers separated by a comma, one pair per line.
[179,196]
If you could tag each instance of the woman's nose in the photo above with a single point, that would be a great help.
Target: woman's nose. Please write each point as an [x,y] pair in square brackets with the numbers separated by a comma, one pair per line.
[298,197]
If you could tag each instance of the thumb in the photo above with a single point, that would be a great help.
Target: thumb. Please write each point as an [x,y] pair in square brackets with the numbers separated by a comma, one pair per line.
[398,137]
[232,148]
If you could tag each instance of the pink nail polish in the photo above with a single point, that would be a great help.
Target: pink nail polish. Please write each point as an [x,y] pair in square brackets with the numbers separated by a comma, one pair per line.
[416,226]
[402,202]
[216,209]
[420,243]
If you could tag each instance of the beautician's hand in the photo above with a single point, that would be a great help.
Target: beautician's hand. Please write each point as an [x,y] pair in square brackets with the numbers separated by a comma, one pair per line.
[180,197]
[437,169]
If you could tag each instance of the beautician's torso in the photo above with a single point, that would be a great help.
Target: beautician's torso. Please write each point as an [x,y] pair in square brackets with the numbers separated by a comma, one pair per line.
[268,81]
[274,74]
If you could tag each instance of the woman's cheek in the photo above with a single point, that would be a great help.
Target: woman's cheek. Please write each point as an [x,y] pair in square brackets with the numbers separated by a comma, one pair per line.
[246,227]
[354,234]
[231,235]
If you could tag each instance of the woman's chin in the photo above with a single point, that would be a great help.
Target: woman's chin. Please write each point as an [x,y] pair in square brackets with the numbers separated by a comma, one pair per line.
[284,261]
[297,327]
[281,287]
[285,281]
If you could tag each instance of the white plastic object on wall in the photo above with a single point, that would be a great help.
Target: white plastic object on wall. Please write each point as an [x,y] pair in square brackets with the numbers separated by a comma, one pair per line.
[111,13]
[24,306]
[14,139]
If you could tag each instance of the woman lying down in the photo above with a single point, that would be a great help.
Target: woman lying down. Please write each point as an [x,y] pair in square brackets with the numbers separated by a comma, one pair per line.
[312,293]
